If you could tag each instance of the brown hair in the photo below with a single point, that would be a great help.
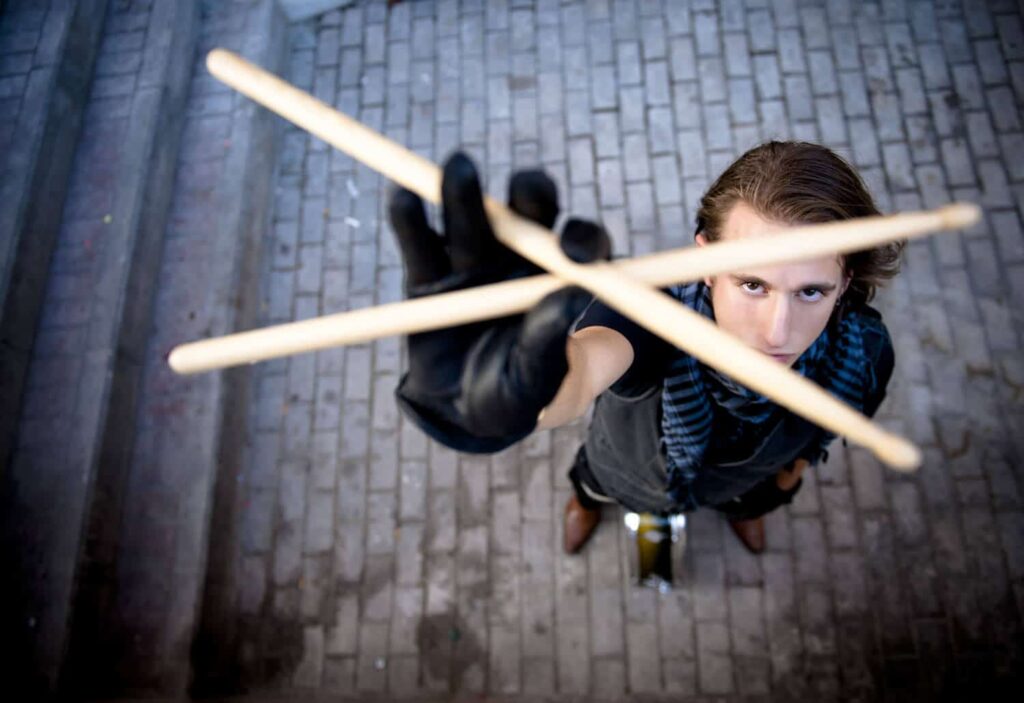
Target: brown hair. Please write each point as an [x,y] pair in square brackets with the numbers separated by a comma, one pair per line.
[802,183]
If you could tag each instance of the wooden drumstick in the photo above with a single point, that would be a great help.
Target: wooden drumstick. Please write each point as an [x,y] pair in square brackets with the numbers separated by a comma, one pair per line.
[512,297]
[648,307]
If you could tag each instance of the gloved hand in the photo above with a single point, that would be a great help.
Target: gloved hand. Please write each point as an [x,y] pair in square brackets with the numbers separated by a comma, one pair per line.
[479,387]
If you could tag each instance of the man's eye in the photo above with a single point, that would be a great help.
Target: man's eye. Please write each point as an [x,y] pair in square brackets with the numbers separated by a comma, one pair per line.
[751,286]
[811,295]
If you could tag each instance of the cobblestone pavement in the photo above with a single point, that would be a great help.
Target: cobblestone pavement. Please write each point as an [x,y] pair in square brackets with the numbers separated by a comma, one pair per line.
[378,563]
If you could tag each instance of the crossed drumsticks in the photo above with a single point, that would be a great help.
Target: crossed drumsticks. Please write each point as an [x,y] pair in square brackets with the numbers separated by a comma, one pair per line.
[628,285]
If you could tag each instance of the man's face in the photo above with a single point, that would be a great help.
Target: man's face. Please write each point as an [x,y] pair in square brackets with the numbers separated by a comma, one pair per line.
[777,310]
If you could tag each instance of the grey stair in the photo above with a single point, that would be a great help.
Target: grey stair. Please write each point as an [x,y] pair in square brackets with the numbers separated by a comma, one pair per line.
[47,50]
[63,488]
[169,582]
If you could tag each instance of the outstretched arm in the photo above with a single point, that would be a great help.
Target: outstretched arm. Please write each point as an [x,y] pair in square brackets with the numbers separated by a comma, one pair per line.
[597,357]
[480,387]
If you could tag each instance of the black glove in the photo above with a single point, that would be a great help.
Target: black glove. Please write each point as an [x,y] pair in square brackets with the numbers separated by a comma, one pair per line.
[760,500]
[479,387]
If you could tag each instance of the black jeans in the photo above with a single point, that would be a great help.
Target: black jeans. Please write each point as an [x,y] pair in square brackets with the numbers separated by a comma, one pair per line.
[754,503]
[579,475]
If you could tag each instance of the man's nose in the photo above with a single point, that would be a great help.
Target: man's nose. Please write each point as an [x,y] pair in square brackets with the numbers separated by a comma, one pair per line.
[776,330]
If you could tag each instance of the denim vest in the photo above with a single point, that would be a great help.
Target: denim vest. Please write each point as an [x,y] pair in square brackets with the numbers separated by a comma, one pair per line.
[625,455]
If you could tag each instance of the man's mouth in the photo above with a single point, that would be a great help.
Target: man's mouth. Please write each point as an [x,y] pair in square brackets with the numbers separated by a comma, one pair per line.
[781,358]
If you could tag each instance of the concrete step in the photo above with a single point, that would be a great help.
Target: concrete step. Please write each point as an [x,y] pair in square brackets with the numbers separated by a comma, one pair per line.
[162,624]
[63,488]
[47,50]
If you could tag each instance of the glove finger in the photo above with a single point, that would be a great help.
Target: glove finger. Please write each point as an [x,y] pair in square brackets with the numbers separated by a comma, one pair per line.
[584,241]
[423,252]
[470,238]
[534,195]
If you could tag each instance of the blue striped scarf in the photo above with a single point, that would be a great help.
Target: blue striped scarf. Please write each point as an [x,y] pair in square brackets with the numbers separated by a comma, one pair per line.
[698,400]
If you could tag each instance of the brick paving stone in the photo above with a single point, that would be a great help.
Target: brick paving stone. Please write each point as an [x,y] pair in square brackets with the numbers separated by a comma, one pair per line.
[640,206]
[705,25]
[831,125]
[716,127]
[798,98]
[737,55]
[634,107]
[981,136]
[666,180]
[711,73]
[1001,103]
[644,670]
[792,58]
[896,157]
[609,679]
[682,61]
[656,83]
[741,101]
[767,78]
[714,665]
[991,64]
[760,41]
[978,17]
[610,185]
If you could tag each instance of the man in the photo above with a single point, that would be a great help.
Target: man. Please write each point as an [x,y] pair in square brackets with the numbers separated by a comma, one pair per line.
[668,433]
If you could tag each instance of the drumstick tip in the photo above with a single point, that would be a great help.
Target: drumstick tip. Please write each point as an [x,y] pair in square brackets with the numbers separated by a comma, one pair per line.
[173,360]
[179,362]
[901,455]
[216,59]
[959,215]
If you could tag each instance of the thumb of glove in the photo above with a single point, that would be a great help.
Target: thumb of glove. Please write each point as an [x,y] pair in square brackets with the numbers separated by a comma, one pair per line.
[538,363]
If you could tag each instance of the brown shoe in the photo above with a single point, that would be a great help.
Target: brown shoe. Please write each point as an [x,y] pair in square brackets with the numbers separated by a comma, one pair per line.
[578,525]
[750,532]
